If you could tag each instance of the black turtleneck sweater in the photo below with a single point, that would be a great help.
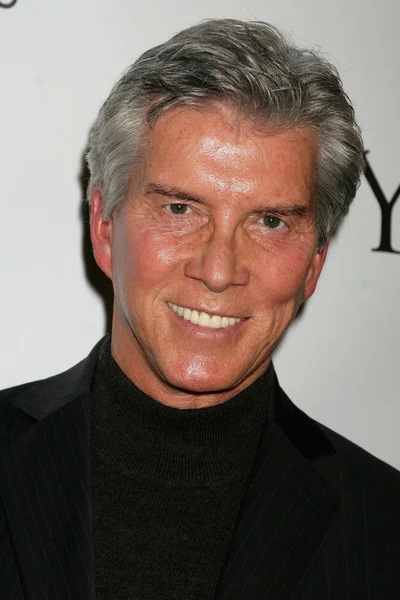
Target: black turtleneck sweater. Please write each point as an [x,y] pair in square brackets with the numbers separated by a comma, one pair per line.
[167,486]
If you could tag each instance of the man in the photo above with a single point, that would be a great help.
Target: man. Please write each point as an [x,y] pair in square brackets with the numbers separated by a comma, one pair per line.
[169,463]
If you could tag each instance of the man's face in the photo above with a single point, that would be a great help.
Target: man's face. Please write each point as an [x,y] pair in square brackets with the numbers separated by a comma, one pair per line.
[220,219]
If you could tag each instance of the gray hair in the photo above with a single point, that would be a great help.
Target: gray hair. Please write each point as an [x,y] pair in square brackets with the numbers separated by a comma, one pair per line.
[251,66]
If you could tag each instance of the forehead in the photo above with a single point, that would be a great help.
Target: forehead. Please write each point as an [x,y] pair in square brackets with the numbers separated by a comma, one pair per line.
[192,146]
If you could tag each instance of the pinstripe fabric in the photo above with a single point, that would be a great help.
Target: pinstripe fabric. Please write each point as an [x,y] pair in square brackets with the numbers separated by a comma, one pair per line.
[320,519]
[10,586]
[285,517]
[45,488]
[47,507]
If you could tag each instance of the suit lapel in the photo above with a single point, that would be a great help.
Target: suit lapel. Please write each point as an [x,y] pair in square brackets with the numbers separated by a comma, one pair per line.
[286,515]
[46,489]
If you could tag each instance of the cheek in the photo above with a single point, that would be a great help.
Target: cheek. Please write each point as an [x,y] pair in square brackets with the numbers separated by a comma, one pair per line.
[283,272]
[146,255]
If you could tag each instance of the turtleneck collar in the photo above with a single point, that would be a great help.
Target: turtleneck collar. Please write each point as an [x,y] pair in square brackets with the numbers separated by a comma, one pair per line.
[131,425]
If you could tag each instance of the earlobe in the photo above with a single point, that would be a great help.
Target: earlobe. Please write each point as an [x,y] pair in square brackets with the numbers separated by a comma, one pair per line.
[100,233]
[315,271]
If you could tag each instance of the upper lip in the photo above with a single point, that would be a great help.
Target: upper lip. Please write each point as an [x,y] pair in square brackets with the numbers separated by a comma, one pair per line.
[209,311]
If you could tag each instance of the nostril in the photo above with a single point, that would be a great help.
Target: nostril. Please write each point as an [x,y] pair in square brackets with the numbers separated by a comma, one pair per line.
[218,263]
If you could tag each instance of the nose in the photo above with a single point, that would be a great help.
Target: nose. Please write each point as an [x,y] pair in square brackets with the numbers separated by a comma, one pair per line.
[219,262]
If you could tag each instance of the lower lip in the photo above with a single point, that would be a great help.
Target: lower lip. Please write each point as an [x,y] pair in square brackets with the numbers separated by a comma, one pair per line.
[207,332]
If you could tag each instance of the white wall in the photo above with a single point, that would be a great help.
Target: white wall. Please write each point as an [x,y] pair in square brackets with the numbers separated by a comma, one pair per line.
[340,362]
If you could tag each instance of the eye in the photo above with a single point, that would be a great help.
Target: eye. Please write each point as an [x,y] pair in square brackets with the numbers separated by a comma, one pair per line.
[178,209]
[273,222]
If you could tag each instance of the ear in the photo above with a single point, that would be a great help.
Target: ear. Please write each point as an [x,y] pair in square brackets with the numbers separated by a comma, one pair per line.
[100,233]
[315,271]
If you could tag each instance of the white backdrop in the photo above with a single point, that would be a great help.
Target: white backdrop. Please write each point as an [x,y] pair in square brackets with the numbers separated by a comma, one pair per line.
[340,361]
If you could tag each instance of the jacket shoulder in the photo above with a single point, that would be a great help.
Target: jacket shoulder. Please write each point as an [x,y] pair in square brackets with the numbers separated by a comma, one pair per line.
[24,405]
[360,468]
[44,396]
[42,387]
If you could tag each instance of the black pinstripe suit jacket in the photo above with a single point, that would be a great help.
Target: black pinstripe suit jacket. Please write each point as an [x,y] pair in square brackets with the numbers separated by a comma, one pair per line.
[320,519]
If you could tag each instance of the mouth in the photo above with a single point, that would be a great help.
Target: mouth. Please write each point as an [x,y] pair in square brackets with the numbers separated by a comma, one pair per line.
[204,319]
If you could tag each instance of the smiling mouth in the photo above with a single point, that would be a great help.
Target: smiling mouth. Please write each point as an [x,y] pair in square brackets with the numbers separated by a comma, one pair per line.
[203,319]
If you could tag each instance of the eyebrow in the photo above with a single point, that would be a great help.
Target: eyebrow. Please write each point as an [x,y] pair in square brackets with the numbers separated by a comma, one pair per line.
[172,192]
[284,210]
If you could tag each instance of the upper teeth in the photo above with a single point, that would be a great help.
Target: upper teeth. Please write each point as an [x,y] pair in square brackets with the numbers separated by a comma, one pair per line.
[203,319]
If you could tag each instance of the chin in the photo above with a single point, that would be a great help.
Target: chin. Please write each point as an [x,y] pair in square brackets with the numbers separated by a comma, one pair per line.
[202,382]
[203,387]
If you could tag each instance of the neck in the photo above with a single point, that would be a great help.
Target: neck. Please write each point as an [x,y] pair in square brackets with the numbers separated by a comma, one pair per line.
[132,360]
